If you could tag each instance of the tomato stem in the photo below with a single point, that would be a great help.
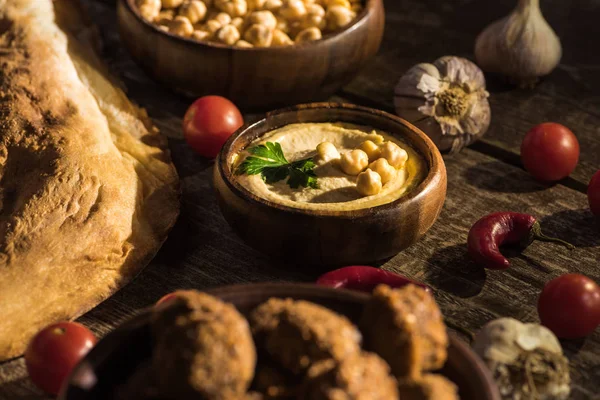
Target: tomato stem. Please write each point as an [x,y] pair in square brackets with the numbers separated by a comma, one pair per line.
[59,330]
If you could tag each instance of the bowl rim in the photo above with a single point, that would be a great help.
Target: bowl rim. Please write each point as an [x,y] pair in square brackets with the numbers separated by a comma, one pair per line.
[295,289]
[436,165]
[359,21]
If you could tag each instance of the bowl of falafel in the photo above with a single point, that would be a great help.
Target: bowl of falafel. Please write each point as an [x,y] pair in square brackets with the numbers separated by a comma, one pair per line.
[284,341]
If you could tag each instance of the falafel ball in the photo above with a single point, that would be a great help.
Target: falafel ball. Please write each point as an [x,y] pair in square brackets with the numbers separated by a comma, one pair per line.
[361,376]
[428,387]
[406,328]
[298,334]
[203,348]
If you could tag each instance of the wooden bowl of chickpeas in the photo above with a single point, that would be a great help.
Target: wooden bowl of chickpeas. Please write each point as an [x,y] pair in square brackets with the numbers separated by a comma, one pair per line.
[324,207]
[258,53]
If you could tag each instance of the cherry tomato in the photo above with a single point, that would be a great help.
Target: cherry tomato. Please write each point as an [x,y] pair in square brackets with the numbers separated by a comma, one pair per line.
[550,152]
[166,298]
[570,306]
[209,122]
[364,278]
[594,194]
[54,351]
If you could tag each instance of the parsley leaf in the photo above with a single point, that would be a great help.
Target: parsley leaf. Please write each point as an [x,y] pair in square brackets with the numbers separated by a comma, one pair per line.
[269,161]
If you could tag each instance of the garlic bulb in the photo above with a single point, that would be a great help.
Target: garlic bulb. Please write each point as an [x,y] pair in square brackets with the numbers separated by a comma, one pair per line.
[521,46]
[526,360]
[447,100]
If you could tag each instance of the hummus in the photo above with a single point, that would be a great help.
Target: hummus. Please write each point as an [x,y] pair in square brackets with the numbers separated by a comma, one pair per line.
[337,190]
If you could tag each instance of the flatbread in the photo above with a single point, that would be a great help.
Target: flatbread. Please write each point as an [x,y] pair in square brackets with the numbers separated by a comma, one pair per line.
[87,189]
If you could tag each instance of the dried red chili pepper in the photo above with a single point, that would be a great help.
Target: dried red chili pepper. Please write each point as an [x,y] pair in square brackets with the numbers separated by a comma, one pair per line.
[364,278]
[501,228]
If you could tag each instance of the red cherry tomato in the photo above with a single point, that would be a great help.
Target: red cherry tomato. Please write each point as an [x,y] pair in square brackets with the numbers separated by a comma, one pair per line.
[54,351]
[594,194]
[209,122]
[364,279]
[550,152]
[166,298]
[570,306]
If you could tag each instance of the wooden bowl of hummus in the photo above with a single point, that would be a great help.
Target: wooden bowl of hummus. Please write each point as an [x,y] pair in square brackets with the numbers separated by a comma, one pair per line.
[318,211]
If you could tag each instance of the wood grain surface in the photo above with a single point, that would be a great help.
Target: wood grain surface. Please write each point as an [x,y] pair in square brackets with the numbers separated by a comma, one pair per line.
[202,252]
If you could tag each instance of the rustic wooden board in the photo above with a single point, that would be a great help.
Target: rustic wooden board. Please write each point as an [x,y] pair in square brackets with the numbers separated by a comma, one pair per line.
[423,30]
[202,251]
[469,296]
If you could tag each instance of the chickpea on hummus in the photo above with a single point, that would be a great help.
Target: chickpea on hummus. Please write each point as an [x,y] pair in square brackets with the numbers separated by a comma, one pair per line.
[354,167]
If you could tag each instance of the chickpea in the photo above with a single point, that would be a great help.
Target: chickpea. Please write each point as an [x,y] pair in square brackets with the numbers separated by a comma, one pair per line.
[243,43]
[315,9]
[149,9]
[212,26]
[309,2]
[171,3]
[338,17]
[315,16]
[327,152]
[181,26]
[309,35]
[151,3]
[273,5]
[371,149]
[254,5]
[235,8]
[293,10]
[395,155]
[368,183]
[228,34]
[201,35]
[223,18]
[165,17]
[281,38]
[283,26]
[353,162]
[343,3]
[265,18]
[194,10]
[166,14]
[384,169]
[238,22]
[164,28]
[259,35]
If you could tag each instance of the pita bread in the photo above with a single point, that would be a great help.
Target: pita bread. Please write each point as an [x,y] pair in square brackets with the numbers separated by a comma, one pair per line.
[87,190]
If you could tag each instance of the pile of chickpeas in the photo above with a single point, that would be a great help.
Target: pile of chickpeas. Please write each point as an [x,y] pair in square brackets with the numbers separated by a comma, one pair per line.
[373,164]
[250,23]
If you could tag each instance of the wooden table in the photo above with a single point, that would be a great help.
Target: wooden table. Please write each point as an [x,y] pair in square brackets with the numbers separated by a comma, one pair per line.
[203,252]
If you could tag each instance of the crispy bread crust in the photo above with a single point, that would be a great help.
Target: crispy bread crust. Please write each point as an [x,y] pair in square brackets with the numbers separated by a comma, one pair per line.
[87,189]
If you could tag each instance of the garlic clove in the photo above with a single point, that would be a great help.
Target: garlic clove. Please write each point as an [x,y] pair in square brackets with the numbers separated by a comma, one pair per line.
[411,80]
[537,336]
[447,100]
[521,46]
[496,341]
